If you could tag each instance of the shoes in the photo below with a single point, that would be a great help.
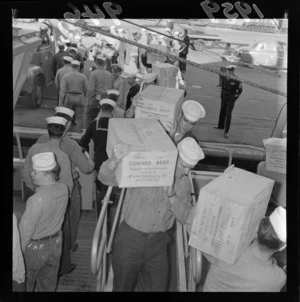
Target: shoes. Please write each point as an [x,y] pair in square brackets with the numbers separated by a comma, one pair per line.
[226,134]
[69,271]
[217,127]
[74,248]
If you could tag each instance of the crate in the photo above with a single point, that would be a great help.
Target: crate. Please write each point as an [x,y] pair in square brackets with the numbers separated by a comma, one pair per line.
[166,74]
[153,157]
[276,154]
[228,212]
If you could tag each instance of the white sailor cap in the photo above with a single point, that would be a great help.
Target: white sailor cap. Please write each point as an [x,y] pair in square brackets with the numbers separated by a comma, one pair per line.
[231,67]
[67,41]
[99,56]
[64,112]
[176,33]
[149,77]
[189,151]
[75,62]
[143,29]
[161,37]
[60,43]
[56,120]
[278,221]
[43,161]
[168,29]
[193,111]
[113,26]
[108,101]
[67,58]
[129,74]
[113,91]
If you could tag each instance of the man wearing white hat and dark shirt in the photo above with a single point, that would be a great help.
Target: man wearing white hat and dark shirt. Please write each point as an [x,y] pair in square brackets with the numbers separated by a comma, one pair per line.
[62,71]
[85,165]
[113,94]
[73,93]
[192,111]
[99,82]
[255,270]
[140,248]
[56,58]
[40,225]
[231,90]
[133,90]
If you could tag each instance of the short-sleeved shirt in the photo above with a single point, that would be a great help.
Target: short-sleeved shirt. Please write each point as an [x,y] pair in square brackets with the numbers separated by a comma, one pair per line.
[44,214]
[248,274]
[65,175]
[74,151]
[99,82]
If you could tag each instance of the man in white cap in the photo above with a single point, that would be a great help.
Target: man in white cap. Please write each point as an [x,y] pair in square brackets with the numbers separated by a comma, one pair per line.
[81,161]
[114,95]
[66,68]
[133,90]
[192,111]
[73,93]
[140,249]
[255,270]
[231,90]
[41,223]
[147,80]
[99,82]
[118,84]
[56,58]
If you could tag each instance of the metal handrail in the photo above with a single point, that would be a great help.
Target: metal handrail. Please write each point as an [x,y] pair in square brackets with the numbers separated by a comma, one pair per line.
[207,146]
[97,250]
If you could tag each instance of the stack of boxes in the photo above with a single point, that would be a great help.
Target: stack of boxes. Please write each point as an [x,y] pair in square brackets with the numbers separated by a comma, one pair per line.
[166,74]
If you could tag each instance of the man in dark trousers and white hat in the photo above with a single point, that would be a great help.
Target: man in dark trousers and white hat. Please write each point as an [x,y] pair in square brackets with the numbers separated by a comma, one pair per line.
[40,225]
[133,90]
[85,165]
[231,90]
[139,258]
[73,93]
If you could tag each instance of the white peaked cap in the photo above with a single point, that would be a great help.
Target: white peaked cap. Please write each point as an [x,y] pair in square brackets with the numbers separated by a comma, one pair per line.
[109,102]
[231,67]
[193,111]
[65,110]
[43,161]
[278,221]
[176,33]
[75,62]
[149,77]
[60,43]
[113,91]
[67,58]
[190,151]
[56,120]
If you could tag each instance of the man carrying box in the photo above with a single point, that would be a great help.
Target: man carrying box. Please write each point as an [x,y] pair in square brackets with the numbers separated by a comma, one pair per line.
[140,248]
[255,270]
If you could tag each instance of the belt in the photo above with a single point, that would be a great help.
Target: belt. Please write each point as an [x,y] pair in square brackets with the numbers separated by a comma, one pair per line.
[75,93]
[47,237]
[146,235]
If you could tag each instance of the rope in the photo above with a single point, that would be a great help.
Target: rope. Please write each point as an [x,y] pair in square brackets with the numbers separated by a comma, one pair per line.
[81,23]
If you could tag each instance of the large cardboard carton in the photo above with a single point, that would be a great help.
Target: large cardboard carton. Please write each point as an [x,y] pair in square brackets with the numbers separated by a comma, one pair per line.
[228,212]
[160,103]
[152,160]
[166,74]
[153,57]
[275,154]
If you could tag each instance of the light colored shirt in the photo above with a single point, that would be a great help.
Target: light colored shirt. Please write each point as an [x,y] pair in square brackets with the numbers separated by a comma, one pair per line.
[248,274]
[149,209]
[65,175]
[59,75]
[100,81]
[74,151]
[18,267]
[44,214]
[73,82]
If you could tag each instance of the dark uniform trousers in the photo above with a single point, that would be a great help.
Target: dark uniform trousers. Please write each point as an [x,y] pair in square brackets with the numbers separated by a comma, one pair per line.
[139,260]
[227,105]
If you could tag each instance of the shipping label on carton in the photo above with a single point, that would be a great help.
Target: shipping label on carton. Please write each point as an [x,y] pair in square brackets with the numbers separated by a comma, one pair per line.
[228,212]
[276,154]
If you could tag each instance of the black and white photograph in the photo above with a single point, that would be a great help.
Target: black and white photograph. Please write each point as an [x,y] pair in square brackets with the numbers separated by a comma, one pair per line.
[150,154]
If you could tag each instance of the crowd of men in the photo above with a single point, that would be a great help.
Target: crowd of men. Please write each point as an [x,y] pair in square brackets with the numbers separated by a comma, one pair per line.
[49,226]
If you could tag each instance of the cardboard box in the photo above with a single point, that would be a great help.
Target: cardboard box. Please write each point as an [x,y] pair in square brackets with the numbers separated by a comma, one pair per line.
[152,160]
[166,74]
[153,57]
[276,154]
[228,212]
[160,103]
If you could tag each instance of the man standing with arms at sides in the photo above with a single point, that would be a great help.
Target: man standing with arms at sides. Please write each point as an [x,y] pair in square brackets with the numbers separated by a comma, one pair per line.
[61,72]
[231,90]
[40,225]
[184,49]
[56,58]
[100,81]
[140,248]
[85,165]
[73,93]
